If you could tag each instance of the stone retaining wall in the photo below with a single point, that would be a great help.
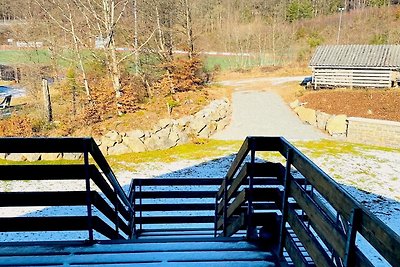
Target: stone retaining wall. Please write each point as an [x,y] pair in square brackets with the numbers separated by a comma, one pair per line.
[357,130]
[166,134]
[377,132]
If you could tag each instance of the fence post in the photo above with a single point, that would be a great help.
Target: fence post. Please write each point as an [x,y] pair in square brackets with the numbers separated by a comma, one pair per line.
[216,216]
[351,237]
[225,211]
[47,101]
[251,230]
[116,205]
[140,206]
[88,193]
[132,199]
[286,192]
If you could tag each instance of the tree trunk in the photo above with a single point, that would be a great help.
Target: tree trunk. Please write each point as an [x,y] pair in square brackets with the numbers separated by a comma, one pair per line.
[189,30]
[78,53]
[135,36]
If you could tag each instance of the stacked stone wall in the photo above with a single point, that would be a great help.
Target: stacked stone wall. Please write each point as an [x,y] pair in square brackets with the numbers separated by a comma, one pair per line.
[165,134]
[352,129]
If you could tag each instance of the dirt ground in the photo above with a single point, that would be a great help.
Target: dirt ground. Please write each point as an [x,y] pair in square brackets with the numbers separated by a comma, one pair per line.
[367,103]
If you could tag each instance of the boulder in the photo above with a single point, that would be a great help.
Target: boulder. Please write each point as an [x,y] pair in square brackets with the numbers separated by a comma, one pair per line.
[151,143]
[98,142]
[174,134]
[197,124]
[51,156]
[183,138]
[107,142]
[337,125]
[223,123]
[119,149]
[322,119]
[208,130]
[72,156]
[307,115]
[295,104]
[103,148]
[114,136]
[33,156]
[16,157]
[135,134]
[163,123]
[134,143]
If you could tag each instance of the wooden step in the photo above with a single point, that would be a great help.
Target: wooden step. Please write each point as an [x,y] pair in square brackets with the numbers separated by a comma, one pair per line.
[199,252]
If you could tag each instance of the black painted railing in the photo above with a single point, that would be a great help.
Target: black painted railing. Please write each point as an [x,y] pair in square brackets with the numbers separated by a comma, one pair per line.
[101,191]
[316,218]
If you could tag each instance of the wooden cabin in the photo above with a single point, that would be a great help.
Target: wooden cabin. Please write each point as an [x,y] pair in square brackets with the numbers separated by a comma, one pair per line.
[376,66]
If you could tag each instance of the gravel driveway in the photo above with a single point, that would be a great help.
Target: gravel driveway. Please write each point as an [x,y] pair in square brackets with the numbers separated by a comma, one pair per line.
[264,113]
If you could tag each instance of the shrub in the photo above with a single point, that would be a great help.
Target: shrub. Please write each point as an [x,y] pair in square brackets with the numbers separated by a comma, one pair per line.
[16,126]
[182,75]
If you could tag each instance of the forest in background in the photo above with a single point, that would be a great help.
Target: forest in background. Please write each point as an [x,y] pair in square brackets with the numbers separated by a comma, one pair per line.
[109,56]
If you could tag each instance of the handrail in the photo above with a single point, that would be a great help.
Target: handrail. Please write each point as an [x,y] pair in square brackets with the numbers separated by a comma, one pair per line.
[357,218]
[64,145]
[76,145]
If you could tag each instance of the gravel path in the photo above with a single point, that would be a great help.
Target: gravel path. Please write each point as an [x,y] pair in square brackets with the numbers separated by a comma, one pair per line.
[264,113]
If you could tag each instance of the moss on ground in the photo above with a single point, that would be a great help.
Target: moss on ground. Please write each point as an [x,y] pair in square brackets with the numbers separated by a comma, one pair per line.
[201,149]
[335,147]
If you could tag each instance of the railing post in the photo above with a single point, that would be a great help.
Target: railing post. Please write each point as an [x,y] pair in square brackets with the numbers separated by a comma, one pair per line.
[225,211]
[116,216]
[216,216]
[351,237]
[140,207]
[88,194]
[251,230]
[289,159]
[132,199]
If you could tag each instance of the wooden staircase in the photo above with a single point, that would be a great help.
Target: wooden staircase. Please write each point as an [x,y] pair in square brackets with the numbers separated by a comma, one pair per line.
[259,214]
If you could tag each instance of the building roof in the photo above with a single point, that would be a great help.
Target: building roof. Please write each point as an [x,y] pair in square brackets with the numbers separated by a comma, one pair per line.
[360,56]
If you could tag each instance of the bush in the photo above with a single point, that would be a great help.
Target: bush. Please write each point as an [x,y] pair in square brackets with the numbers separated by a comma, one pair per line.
[182,75]
[21,126]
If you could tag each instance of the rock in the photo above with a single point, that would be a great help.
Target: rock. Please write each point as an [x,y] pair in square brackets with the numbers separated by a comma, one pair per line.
[134,143]
[114,136]
[151,143]
[107,142]
[223,123]
[295,104]
[174,134]
[98,142]
[33,156]
[337,125]
[322,119]
[208,130]
[72,156]
[307,115]
[197,124]
[16,157]
[135,134]
[163,123]
[51,156]
[119,149]
[183,138]
[3,155]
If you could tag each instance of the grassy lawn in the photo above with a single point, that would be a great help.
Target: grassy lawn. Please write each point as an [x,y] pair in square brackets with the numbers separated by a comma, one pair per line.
[211,62]
[24,56]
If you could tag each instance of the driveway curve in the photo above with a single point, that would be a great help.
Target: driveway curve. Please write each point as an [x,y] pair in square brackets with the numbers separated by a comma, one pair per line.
[264,113]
